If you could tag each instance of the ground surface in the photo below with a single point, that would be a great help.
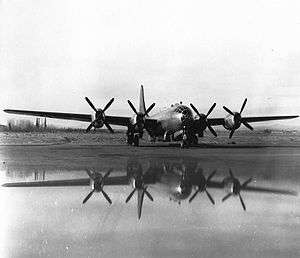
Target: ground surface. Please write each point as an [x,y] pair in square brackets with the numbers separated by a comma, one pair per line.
[52,222]
[245,137]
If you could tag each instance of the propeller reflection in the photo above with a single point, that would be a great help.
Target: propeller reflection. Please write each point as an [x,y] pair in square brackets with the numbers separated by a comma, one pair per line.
[177,179]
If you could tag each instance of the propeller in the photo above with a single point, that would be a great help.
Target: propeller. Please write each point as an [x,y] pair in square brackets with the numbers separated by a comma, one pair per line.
[237,117]
[140,116]
[236,188]
[202,187]
[98,183]
[142,190]
[100,116]
[201,123]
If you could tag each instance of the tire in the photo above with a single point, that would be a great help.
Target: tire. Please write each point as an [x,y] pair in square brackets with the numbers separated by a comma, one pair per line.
[136,140]
[129,139]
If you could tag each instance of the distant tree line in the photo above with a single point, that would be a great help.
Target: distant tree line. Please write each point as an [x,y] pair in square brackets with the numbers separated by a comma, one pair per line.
[23,125]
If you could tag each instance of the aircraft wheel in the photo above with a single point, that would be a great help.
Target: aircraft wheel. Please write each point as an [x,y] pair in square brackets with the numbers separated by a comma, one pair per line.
[195,140]
[129,139]
[136,140]
[184,144]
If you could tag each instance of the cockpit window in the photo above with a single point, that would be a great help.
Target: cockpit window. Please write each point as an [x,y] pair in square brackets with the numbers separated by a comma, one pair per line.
[184,110]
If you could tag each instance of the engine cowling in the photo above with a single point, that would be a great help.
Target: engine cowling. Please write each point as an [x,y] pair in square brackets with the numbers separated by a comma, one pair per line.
[232,122]
[99,118]
[200,124]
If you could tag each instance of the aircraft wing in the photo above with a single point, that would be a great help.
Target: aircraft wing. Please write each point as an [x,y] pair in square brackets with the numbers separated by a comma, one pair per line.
[266,118]
[121,180]
[114,120]
[57,115]
[220,185]
[268,190]
[220,121]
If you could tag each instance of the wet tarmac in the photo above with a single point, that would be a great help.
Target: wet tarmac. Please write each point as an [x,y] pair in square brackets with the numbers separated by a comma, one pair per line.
[54,222]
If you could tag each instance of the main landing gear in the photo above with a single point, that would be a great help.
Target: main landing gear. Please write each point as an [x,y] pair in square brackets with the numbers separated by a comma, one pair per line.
[136,140]
[189,140]
[133,139]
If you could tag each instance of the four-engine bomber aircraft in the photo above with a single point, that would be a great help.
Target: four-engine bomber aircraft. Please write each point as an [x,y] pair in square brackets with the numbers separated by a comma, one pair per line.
[176,123]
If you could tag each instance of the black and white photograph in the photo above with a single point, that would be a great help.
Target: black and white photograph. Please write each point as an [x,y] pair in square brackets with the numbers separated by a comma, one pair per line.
[149,128]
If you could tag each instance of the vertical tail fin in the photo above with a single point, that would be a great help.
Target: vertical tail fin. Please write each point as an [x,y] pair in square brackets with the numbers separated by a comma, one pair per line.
[142,107]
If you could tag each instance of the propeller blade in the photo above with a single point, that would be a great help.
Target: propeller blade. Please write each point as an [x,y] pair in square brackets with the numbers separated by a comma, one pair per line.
[90,174]
[209,196]
[130,195]
[149,109]
[89,127]
[231,133]
[132,107]
[242,202]
[242,108]
[195,109]
[109,127]
[107,173]
[247,125]
[246,182]
[149,195]
[140,201]
[91,104]
[194,195]
[211,109]
[226,197]
[212,130]
[231,173]
[106,197]
[88,197]
[228,110]
[108,104]
[211,175]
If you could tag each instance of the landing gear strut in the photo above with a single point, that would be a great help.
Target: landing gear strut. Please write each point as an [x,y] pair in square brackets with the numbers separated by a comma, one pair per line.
[130,137]
[133,138]
[136,140]
[185,143]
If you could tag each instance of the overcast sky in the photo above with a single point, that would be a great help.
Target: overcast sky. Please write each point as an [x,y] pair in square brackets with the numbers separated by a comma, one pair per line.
[54,53]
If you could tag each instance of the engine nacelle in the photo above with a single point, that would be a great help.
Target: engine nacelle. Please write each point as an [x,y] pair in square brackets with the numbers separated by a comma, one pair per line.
[98,124]
[99,118]
[200,124]
[232,122]
[231,185]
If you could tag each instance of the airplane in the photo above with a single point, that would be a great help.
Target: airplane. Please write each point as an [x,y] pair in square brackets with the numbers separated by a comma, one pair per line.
[176,123]
[176,179]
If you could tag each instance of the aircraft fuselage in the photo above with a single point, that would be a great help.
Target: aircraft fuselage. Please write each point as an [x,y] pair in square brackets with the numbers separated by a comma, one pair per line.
[171,120]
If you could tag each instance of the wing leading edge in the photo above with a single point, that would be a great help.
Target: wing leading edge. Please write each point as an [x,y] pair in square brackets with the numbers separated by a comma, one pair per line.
[220,121]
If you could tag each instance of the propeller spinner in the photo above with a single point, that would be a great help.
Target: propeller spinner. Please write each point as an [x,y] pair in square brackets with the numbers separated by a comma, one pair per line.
[99,116]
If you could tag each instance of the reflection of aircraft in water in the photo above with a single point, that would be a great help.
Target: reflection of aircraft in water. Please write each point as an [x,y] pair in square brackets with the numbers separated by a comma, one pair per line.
[176,123]
[178,179]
